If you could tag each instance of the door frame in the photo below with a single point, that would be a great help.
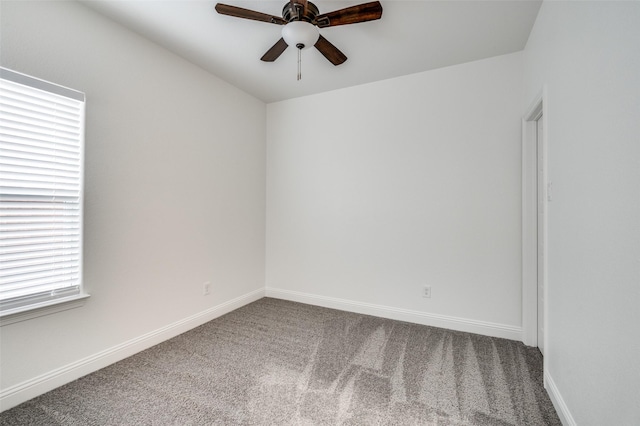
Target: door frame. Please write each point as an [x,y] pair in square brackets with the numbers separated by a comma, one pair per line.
[538,108]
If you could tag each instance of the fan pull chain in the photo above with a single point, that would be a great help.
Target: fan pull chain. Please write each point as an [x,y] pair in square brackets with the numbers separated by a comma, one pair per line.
[300,46]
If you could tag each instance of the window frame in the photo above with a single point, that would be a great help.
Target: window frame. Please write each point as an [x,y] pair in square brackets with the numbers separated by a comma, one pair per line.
[40,304]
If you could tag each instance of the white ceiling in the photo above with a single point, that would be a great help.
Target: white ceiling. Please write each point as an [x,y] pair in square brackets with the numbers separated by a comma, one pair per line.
[412,36]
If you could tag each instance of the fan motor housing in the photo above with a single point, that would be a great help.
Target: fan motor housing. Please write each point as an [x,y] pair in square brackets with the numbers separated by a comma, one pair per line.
[295,12]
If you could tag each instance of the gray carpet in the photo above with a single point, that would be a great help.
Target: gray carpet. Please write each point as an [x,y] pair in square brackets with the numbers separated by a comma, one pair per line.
[275,362]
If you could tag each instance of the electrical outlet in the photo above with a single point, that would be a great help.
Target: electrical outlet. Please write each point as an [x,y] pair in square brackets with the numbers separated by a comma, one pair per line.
[206,288]
[426,291]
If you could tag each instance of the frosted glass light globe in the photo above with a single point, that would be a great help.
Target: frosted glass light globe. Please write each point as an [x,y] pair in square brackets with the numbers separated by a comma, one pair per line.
[297,33]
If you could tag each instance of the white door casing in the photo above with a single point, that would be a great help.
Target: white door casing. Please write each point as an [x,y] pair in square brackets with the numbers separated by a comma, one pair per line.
[541,174]
[534,223]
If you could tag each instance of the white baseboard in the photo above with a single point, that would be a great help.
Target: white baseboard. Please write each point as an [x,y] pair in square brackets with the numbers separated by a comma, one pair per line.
[29,389]
[434,320]
[561,408]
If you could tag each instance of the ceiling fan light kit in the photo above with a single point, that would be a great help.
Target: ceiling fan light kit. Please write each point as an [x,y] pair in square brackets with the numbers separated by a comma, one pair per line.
[300,34]
[301,20]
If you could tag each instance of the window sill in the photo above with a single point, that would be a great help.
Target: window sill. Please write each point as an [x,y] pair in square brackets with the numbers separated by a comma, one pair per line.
[41,309]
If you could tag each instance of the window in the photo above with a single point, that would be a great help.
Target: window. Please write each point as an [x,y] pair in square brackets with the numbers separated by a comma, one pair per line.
[41,178]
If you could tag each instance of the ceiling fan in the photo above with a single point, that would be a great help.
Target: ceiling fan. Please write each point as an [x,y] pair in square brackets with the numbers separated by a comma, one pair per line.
[301,20]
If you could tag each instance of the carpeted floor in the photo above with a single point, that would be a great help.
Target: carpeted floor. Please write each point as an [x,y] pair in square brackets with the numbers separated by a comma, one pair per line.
[275,362]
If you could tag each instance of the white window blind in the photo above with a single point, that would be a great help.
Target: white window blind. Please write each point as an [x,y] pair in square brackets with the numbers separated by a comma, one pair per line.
[41,179]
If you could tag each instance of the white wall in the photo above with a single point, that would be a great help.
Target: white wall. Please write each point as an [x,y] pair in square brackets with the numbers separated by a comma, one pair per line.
[588,55]
[376,190]
[175,196]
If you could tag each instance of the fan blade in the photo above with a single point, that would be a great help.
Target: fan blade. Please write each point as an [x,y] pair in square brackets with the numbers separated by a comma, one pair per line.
[332,53]
[239,12]
[275,51]
[304,6]
[350,15]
